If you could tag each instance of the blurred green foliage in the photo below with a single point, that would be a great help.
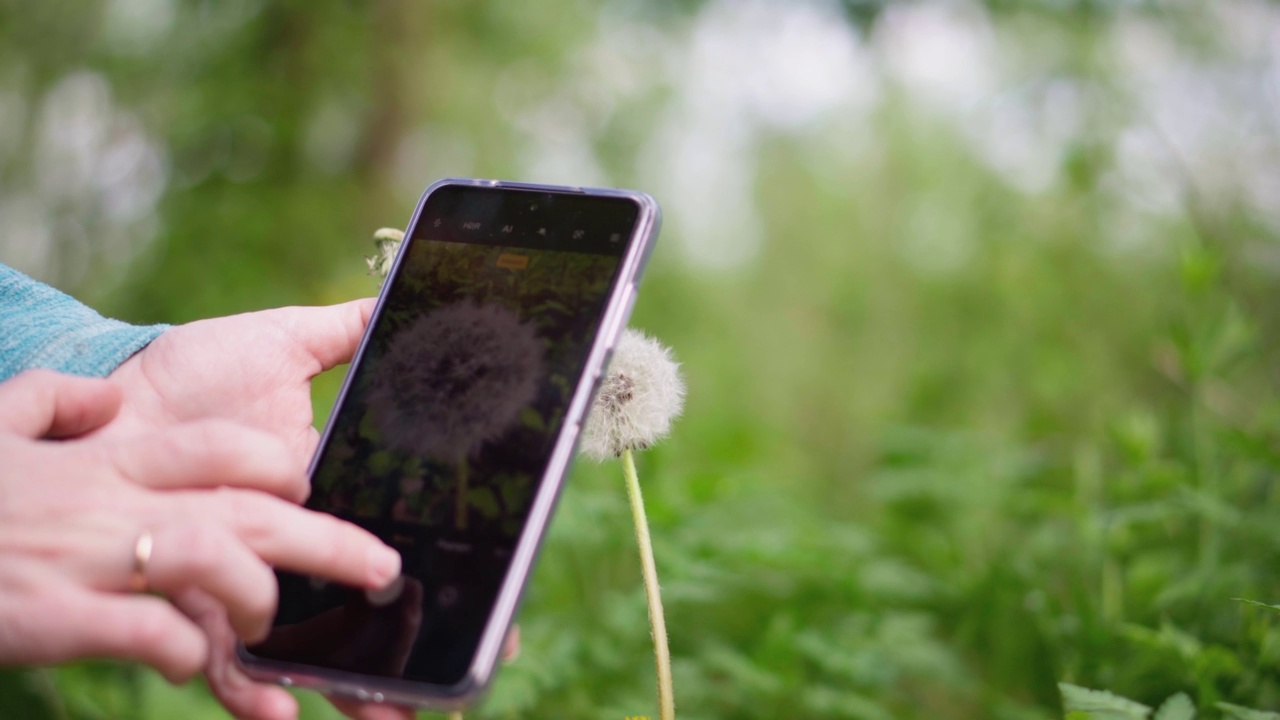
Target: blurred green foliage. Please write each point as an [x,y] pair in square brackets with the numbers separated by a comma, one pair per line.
[982,377]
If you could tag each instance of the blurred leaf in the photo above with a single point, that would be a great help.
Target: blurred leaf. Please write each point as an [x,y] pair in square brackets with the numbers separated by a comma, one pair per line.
[1101,704]
[1255,603]
[1177,707]
[28,694]
[1236,712]
[484,500]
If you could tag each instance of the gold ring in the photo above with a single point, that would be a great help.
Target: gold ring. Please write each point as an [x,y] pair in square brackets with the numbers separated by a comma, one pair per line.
[141,556]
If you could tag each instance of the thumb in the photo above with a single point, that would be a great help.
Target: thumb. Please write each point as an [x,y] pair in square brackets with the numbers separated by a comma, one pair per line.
[330,334]
[45,404]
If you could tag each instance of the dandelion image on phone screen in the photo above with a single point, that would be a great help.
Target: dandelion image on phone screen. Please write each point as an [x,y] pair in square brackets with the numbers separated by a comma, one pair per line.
[452,381]
[465,389]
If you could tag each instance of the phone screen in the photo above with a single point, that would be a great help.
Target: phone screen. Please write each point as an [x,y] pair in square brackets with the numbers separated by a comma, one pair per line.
[448,423]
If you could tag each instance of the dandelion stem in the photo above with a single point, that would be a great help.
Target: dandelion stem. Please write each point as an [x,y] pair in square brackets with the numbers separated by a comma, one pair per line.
[661,653]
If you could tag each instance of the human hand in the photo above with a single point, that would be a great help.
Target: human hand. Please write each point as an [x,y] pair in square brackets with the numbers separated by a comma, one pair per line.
[255,369]
[71,513]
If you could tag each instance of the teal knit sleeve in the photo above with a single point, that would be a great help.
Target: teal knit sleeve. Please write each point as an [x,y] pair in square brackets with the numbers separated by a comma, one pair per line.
[41,327]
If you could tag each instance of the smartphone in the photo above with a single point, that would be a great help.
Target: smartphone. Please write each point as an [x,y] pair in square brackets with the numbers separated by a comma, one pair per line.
[453,431]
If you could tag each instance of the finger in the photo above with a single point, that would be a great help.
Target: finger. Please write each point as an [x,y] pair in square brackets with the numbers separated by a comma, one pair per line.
[365,711]
[330,334]
[212,453]
[293,538]
[100,552]
[142,628]
[241,696]
[209,557]
[43,403]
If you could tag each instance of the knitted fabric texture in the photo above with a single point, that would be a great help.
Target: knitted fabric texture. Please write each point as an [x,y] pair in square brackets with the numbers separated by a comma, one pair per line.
[41,327]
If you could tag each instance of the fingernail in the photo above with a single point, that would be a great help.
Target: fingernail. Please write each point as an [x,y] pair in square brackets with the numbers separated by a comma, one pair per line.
[385,563]
[382,597]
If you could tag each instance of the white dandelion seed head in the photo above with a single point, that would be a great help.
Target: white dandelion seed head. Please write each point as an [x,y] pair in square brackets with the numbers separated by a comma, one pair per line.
[388,234]
[455,379]
[386,243]
[642,393]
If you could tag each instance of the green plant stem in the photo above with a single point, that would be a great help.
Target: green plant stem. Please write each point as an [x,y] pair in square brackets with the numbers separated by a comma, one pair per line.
[658,624]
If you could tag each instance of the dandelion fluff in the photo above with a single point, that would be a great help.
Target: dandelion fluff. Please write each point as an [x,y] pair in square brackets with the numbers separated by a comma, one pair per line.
[454,380]
[641,394]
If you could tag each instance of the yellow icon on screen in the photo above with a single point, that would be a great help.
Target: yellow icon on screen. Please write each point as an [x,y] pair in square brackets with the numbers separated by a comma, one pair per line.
[511,261]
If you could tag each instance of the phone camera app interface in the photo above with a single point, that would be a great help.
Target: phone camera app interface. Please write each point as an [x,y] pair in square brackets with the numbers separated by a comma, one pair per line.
[449,422]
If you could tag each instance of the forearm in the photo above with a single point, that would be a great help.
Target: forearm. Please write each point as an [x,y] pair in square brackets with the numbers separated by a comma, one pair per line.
[41,327]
